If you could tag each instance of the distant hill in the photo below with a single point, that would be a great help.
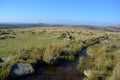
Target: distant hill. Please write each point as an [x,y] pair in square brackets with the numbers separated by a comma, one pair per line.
[7,26]
[112,28]
[105,28]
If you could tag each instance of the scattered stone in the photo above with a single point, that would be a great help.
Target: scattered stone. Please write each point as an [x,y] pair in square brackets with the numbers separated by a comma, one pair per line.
[20,69]
[105,40]
[69,37]
[87,73]
[5,59]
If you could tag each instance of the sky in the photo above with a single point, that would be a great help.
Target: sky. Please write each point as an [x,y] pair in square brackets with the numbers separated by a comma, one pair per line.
[87,12]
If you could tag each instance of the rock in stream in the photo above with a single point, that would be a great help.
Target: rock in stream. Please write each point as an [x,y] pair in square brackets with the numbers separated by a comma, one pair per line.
[20,69]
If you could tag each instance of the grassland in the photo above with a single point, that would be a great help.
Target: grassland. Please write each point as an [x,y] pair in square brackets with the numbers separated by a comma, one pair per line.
[33,37]
[45,43]
[102,60]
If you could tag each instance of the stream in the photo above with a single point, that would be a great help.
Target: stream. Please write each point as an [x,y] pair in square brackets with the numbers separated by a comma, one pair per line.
[66,71]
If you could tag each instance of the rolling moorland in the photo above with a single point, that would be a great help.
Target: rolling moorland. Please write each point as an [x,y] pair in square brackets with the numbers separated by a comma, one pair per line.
[49,46]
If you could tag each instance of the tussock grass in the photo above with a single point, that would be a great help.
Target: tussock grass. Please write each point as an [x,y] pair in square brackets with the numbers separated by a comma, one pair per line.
[4,71]
[116,72]
[102,60]
[51,52]
[31,45]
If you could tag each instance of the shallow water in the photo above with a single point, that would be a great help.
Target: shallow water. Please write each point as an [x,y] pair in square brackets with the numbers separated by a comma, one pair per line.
[66,71]
[84,52]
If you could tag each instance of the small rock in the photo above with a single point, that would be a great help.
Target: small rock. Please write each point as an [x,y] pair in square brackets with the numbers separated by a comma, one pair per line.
[87,73]
[106,40]
[5,59]
[20,69]
[69,37]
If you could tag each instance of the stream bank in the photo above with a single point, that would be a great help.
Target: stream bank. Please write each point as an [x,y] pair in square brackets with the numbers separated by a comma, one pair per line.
[65,71]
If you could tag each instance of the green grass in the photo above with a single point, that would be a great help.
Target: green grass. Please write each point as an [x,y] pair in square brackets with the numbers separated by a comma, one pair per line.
[102,60]
[23,41]
[26,38]
[33,44]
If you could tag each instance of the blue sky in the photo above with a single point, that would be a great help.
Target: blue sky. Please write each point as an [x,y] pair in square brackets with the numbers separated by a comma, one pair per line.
[93,12]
